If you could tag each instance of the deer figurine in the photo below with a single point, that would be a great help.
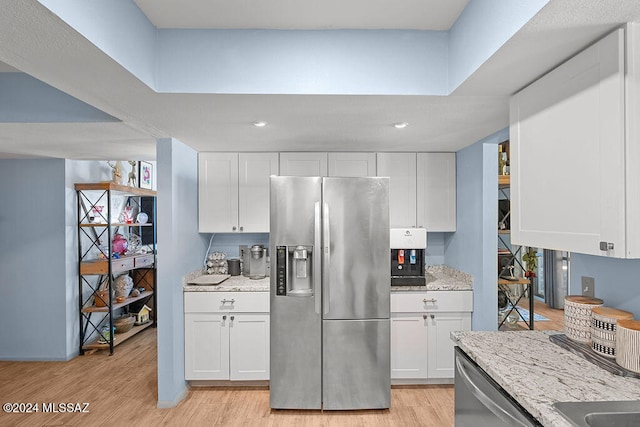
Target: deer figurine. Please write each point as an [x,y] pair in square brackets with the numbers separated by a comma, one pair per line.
[132,174]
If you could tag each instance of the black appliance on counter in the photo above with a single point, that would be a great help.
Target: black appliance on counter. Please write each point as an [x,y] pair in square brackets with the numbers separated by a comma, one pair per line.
[407,256]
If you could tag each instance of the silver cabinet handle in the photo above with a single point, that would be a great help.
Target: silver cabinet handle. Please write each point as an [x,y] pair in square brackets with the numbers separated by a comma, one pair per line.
[606,246]
[429,300]
[233,228]
[241,228]
[230,301]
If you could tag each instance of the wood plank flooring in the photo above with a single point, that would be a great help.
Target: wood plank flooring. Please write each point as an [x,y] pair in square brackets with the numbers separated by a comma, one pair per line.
[122,390]
[555,316]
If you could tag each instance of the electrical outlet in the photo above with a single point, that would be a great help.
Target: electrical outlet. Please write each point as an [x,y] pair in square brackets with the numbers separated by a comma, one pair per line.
[588,286]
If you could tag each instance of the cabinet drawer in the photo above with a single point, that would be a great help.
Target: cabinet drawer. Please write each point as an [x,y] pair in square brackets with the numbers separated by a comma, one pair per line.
[208,302]
[144,261]
[430,301]
[122,264]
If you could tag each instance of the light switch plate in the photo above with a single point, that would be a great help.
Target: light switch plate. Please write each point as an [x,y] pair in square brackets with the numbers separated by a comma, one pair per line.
[588,286]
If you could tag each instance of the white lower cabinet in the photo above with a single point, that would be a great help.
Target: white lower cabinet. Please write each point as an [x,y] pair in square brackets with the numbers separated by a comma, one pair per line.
[421,324]
[226,336]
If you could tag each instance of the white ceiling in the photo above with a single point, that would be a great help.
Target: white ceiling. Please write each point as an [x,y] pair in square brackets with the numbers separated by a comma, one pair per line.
[304,14]
[35,41]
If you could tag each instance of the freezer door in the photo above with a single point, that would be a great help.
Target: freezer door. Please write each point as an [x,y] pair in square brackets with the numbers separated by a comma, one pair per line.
[356,264]
[296,365]
[356,367]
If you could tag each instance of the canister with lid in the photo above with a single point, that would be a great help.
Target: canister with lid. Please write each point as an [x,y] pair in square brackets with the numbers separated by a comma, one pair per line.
[577,317]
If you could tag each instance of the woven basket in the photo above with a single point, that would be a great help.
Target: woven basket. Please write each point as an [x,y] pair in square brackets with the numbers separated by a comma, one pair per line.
[124,324]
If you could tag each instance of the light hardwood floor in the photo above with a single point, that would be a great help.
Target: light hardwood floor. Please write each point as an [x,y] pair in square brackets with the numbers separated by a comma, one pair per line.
[122,390]
[555,316]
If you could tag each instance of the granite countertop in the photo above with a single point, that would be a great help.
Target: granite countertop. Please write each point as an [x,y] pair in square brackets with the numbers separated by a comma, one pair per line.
[441,278]
[232,284]
[438,277]
[538,373]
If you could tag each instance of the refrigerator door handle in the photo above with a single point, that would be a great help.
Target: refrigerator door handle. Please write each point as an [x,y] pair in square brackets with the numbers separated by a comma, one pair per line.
[326,243]
[317,248]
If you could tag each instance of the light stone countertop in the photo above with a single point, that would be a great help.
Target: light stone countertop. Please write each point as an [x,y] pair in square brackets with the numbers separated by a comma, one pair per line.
[232,284]
[538,373]
[439,278]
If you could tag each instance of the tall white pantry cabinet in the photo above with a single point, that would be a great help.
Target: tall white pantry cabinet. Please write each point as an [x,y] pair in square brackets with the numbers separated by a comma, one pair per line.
[575,152]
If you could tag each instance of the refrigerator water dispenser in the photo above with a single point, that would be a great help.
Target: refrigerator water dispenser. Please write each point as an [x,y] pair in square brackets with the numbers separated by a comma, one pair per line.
[294,267]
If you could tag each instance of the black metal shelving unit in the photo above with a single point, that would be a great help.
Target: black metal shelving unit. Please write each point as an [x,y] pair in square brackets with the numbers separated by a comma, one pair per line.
[98,265]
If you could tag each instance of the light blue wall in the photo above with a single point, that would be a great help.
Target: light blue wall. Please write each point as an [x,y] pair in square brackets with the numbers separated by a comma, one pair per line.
[309,62]
[229,242]
[473,247]
[33,309]
[180,251]
[434,255]
[481,29]
[40,270]
[28,100]
[399,62]
[617,280]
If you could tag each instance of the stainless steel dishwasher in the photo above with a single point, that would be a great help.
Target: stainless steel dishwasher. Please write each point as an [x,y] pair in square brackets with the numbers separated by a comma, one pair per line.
[480,401]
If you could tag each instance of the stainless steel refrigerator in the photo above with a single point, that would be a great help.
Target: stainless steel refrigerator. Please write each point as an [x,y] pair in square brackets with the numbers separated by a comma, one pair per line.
[330,292]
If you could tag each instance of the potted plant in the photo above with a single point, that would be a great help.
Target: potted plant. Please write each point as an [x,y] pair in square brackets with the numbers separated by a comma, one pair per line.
[531,260]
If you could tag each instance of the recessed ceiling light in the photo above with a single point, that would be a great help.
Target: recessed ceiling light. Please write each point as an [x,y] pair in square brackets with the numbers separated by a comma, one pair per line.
[260,124]
[401,125]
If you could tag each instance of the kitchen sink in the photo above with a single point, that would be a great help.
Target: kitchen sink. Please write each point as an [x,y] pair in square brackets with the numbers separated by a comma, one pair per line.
[601,414]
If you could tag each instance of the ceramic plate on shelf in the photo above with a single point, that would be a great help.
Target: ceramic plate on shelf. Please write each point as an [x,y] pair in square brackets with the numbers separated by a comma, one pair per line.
[209,279]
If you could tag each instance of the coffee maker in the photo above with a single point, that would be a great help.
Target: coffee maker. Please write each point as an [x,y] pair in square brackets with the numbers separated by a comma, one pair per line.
[254,261]
[407,256]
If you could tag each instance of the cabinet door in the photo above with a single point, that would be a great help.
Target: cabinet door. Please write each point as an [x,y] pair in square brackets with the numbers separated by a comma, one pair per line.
[303,164]
[409,342]
[217,192]
[249,343]
[352,164]
[436,191]
[401,169]
[253,193]
[568,154]
[441,360]
[206,346]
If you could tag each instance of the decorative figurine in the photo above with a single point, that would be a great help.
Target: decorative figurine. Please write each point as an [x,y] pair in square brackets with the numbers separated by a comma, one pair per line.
[117,171]
[132,174]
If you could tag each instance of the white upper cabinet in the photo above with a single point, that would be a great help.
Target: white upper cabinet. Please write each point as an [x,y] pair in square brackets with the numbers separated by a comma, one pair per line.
[422,189]
[234,191]
[575,173]
[303,164]
[217,192]
[352,164]
[253,191]
[436,198]
[401,169]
